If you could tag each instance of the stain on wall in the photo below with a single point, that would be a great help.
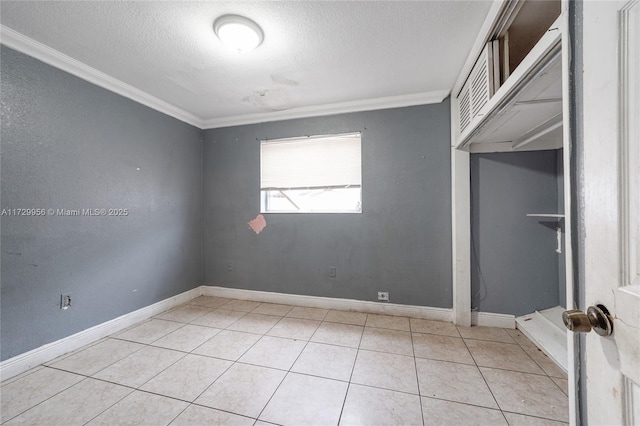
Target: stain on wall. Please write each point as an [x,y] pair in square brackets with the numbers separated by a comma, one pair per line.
[69,146]
[257,224]
[400,243]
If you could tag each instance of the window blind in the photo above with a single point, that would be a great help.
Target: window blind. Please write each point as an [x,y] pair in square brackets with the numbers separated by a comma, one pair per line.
[311,162]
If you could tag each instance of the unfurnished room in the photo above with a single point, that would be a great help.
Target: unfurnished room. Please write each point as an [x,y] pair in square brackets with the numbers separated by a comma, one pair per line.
[320,212]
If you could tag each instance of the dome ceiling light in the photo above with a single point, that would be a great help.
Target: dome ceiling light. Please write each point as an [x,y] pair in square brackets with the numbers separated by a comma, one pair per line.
[238,33]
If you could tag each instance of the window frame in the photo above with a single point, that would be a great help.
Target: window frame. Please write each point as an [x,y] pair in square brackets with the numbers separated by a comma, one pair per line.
[264,192]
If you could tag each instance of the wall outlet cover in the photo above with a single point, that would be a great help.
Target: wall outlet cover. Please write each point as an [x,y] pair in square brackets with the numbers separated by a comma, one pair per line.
[65,301]
[332,272]
[383,296]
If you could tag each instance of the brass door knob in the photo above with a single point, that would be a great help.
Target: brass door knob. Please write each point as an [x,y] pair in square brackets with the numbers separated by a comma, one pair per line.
[597,319]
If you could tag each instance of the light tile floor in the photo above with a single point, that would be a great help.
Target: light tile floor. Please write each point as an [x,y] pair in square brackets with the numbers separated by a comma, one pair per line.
[234,362]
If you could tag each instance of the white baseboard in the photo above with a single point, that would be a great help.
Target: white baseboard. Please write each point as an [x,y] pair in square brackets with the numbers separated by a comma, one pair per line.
[21,363]
[489,319]
[424,312]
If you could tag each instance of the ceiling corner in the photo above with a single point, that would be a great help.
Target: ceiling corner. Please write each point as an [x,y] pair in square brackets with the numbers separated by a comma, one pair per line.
[46,54]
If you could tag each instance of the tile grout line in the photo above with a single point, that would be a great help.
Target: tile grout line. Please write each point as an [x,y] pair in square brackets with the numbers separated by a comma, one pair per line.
[504,369]
[468,404]
[234,362]
[25,373]
[142,384]
[353,368]
[561,389]
[46,399]
[415,363]
[536,417]
[243,363]
[538,364]
[513,412]
[227,369]
[291,366]
[143,345]
[108,365]
[85,347]
[150,344]
[133,389]
[484,379]
[358,350]
[180,413]
[545,371]
[109,407]
[443,360]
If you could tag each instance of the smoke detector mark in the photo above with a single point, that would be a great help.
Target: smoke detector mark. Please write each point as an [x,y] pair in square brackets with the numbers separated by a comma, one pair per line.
[257,224]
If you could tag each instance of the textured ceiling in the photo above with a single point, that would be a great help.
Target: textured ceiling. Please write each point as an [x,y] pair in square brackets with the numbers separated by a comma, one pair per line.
[314,53]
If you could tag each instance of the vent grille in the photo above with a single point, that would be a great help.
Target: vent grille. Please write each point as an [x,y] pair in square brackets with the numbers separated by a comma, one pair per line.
[465,109]
[479,87]
[476,91]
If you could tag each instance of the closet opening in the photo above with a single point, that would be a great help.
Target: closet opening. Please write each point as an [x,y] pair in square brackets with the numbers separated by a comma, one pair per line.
[518,243]
[509,113]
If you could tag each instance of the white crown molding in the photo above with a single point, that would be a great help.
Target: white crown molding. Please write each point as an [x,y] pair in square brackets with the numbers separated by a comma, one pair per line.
[425,312]
[46,54]
[45,353]
[330,109]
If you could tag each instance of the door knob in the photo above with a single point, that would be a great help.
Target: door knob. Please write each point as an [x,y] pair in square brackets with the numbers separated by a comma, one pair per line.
[597,318]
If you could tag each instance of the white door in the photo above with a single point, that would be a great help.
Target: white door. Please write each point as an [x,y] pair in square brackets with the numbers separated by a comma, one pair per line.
[610,198]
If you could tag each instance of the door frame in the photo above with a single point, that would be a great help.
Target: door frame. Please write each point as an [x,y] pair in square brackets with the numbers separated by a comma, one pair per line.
[571,205]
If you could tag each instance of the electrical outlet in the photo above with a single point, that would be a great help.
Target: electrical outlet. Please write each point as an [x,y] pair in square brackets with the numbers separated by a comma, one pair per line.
[332,272]
[229,267]
[65,301]
[383,296]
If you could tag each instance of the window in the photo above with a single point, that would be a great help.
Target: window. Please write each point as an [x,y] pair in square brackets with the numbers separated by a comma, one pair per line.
[312,174]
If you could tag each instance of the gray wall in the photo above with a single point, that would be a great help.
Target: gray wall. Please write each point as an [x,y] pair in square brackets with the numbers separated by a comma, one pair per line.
[401,242]
[515,268]
[69,144]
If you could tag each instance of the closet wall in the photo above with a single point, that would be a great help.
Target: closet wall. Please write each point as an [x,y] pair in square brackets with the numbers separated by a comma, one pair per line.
[515,268]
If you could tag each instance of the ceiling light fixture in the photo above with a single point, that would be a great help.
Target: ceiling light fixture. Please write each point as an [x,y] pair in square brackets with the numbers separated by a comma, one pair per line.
[238,33]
